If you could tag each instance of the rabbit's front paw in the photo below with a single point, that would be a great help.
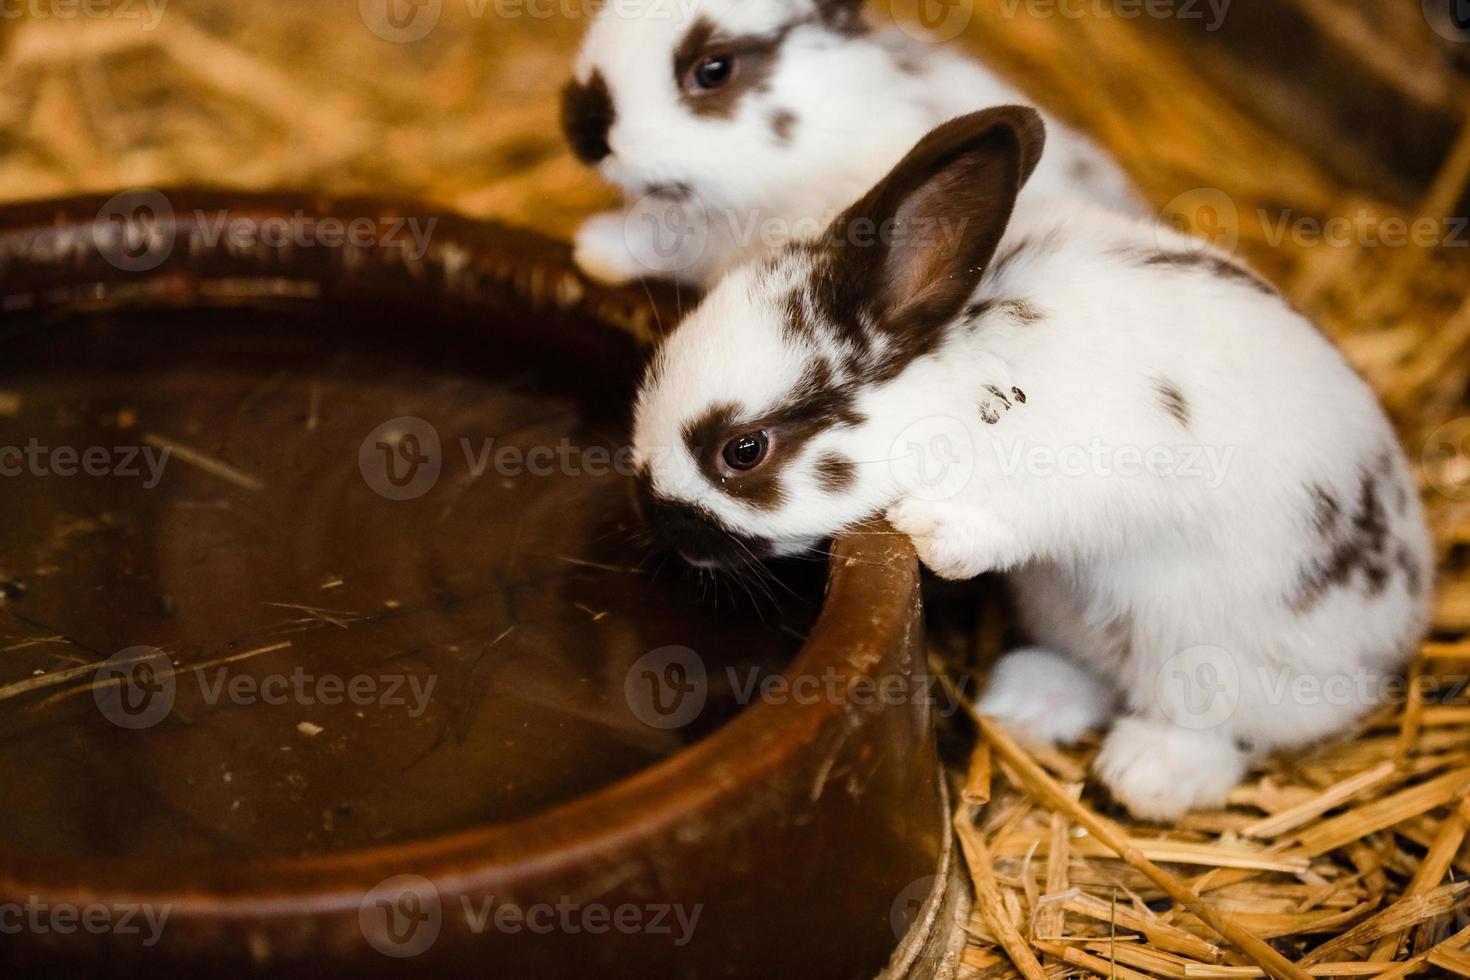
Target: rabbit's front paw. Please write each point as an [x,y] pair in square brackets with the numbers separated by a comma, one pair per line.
[1042,696]
[1160,771]
[602,250]
[954,542]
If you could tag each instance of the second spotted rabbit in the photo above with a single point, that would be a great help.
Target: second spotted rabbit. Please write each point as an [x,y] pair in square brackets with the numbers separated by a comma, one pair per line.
[732,126]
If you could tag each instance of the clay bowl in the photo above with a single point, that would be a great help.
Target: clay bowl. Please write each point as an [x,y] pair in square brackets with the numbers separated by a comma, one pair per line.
[369,673]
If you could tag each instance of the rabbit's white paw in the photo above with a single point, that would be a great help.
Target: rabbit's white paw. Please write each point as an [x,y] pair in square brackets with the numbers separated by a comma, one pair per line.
[1042,696]
[954,542]
[602,251]
[1160,771]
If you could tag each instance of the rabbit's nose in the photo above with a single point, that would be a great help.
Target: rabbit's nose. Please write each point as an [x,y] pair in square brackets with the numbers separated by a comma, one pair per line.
[681,527]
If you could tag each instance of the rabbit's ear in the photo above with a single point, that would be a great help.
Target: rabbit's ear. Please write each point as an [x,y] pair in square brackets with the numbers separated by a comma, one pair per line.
[910,253]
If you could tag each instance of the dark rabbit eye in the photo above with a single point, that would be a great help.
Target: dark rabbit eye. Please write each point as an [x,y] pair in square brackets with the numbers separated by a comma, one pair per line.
[714,72]
[746,452]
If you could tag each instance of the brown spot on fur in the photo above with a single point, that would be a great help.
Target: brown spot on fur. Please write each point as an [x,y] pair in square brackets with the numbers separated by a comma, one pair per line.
[1024,312]
[843,16]
[1173,401]
[693,44]
[783,125]
[675,191]
[707,434]
[1413,576]
[706,437]
[991,409]
[1018,310]
[978,310]
[1117,646]
[1371,521]
[819,403]
[908,66]
[796,324]
[587,115]
[836,473]
[1205,261]
[821,398]
[1325,511]
[754,58]
[1359,545]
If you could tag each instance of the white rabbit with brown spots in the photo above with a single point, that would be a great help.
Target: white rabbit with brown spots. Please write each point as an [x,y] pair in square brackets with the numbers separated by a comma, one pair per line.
[732,126]
[1211,532]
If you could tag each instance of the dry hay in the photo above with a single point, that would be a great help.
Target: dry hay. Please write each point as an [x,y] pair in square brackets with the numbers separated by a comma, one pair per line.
[1348,861]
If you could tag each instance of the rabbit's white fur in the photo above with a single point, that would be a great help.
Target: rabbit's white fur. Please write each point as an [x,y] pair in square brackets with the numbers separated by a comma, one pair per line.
[856,102]
[1257,600]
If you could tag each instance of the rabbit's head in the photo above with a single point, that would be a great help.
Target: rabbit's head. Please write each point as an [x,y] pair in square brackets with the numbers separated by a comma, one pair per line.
[765,420]
[722,100]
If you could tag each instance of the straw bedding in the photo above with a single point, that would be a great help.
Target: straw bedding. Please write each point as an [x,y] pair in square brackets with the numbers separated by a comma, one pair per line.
[1348,861]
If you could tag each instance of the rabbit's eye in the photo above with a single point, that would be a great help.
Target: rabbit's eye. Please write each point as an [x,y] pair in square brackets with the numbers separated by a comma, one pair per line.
[712,73]
[745,453]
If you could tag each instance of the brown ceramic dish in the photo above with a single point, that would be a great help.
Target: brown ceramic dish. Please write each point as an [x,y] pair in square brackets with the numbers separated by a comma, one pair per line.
[530,777]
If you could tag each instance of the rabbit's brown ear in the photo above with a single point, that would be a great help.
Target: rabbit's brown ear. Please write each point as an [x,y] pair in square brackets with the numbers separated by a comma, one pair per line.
[910,253]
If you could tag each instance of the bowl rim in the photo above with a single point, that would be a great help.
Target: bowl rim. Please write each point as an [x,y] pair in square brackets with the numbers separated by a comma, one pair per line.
[870,603]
